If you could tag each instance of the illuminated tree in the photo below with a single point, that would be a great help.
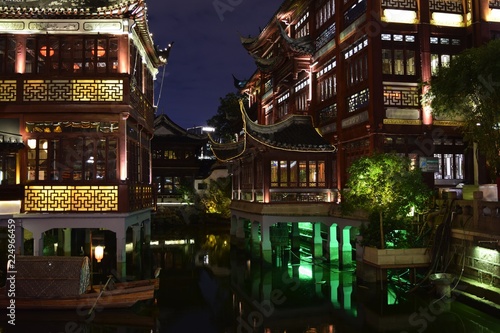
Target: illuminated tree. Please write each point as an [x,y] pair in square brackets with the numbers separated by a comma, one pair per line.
[386,185]
[217,198]
[469,89]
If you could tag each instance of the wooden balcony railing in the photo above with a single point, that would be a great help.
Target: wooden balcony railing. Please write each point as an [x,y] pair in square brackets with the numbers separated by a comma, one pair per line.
[128,197]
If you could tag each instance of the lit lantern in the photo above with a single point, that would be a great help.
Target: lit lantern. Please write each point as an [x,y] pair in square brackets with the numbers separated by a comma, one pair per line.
[46,51]
[100,51]
[99,253]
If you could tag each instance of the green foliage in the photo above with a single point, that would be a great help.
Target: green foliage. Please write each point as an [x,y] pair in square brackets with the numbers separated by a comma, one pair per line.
[388,188]
[217,198]
[399,233]
[187,192]
[469,89]
[228,119]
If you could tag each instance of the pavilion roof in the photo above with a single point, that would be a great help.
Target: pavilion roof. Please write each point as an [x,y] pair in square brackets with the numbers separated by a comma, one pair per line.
[295,134]
[166,127]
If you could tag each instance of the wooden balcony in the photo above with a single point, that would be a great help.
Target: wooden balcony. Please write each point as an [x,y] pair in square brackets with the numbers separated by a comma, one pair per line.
[115,89]
[112,197]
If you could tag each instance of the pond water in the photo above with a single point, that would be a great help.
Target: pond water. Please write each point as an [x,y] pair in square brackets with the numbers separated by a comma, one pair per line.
[208,287]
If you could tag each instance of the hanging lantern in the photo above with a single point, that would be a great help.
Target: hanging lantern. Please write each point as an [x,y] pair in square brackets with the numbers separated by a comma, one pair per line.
[100,51]
[99,253]
[46,51]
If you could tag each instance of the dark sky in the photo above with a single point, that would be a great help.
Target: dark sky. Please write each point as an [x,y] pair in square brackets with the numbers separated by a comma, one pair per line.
[206,52]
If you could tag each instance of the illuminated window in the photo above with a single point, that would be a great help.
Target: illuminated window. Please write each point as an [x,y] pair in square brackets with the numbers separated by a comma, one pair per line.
[434,63]
[410,62]
[283,105]
[302,174]
[302,27]
[438,61]
[386,61]
[325,13]
[398,55]
[399,62]
[451,167]
[445,60]
[293,173]
[274,173]
[72,159]
[63,55]
[283,173]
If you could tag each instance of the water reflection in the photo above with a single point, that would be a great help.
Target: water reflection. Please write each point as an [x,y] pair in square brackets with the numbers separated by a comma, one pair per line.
[109,321]
[207,287]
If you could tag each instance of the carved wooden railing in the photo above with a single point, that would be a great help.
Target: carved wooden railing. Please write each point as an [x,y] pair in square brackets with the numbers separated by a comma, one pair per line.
[112,197]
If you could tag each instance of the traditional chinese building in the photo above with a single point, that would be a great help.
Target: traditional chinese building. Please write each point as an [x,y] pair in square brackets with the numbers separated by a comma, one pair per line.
[356,68]
[283,190]
[180,159]
[76,120]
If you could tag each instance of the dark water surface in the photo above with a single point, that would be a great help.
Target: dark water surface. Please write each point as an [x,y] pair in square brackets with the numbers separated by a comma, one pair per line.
[207,287]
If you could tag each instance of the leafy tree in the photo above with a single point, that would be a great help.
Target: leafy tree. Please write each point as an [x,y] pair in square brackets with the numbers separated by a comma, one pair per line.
[469,89]
[228,120]
[217,198]
[385,185]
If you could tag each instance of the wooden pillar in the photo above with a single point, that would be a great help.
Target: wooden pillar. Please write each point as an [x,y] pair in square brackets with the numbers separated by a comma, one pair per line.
[21,54]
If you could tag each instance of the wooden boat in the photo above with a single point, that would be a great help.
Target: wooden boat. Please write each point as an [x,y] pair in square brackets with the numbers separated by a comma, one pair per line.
[63,283]
[122,295]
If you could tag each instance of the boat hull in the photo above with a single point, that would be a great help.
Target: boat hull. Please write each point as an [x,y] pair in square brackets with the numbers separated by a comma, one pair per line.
[123,295]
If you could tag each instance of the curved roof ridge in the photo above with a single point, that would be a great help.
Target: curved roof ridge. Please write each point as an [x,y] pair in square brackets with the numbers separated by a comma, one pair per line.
[227,151]
[286,135]
[302,45]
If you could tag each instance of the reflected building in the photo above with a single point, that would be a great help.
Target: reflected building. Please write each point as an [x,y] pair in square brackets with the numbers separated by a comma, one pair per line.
[76,120]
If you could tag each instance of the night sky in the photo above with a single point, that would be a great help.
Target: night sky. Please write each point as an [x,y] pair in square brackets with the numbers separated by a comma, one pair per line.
[206,52]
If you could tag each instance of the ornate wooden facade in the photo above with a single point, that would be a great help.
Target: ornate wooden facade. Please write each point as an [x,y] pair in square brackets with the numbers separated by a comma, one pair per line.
[356,67]
[77,108]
